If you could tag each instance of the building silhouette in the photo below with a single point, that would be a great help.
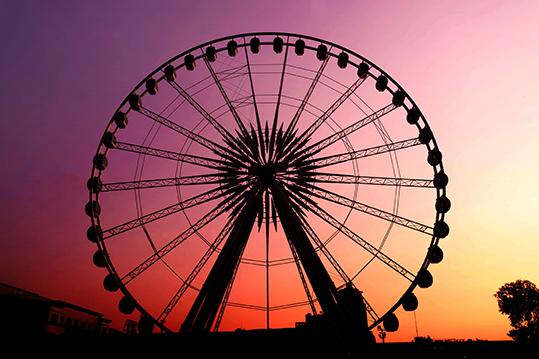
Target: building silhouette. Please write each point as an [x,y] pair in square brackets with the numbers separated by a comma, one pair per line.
[27,313]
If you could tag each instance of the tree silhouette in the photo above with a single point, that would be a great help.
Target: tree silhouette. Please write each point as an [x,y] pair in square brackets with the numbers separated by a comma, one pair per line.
[520,301]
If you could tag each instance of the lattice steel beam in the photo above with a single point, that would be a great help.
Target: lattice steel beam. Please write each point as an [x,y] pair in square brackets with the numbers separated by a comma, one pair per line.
[334,159]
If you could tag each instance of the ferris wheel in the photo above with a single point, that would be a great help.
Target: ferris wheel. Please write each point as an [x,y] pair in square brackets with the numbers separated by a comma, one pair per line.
[255,178]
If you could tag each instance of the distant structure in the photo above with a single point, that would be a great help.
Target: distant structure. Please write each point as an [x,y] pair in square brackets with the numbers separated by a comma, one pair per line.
[130,327]
[27,313]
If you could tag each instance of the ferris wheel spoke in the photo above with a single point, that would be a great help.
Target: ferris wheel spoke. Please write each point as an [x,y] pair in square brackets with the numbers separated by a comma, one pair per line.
[252,142]
[279,141]
[328,141]
[292,125]
[257,114]
[276,115]
[370,310]
[239,102]
[216,125]
[163,251]
[349,156]
[317,210]
[175,156]
[161,182]
[298,200]
[162,213]
[225,96]
[241,98]
[393,218]
[188,282]
[203,141]
[242,149]
[228,74]
[368,180]
[305,136]
[238,92]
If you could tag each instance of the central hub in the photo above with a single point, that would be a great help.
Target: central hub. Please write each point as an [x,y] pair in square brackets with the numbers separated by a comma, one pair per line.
[265,173]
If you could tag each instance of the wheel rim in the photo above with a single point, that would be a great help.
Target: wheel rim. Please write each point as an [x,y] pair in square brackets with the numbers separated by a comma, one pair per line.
[199,56]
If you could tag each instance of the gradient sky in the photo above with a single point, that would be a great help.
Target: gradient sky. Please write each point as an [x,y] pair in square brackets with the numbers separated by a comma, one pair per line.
[470,65]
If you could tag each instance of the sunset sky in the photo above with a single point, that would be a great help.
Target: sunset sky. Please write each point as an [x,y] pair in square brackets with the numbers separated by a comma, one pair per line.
[471,66]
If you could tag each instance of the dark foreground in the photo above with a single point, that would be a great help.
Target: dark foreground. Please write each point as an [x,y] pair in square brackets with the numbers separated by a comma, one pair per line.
[259,345]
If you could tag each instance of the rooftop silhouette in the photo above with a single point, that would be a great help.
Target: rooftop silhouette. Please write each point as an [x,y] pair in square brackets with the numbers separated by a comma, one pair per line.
[25,313]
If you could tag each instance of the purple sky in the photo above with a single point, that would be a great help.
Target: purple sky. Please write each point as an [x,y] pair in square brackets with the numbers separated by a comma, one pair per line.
[471,65]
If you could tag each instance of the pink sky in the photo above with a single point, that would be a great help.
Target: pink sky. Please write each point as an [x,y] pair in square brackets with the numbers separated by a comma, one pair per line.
[470,66]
